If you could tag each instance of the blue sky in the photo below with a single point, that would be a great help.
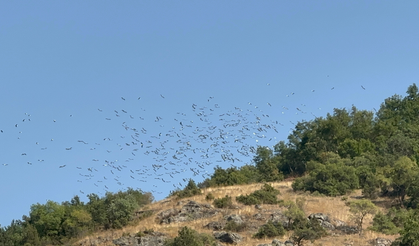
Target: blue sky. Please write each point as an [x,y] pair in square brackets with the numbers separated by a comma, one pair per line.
[198,81]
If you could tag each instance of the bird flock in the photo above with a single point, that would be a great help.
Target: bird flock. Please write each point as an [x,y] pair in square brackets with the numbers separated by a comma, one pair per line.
[160,152]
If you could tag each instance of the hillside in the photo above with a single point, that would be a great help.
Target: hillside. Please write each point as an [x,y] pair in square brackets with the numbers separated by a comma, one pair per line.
[334,207]
[346,179]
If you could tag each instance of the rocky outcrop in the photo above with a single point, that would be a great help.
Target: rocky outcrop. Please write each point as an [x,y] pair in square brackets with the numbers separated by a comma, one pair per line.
[190,211]
[276,242]
[235,218]
[278,217]
[227,237]
[149,239]
[215,226]
[323,220]
[259,217]
[334,224]
[382,242]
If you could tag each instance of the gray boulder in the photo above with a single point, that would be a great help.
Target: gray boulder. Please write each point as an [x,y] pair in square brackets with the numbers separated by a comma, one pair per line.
[382,242]
[289,243]
[348,229]
[215,226]
[276,242]
[324,221]
[150,239]
[319,216]
[227,237]
[278,217]
[235,218]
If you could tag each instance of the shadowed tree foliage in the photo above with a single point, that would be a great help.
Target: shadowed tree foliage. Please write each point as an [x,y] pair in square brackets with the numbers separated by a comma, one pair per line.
[333,178]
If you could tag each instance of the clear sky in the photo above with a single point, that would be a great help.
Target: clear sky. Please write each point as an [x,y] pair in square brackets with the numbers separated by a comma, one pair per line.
[105,95]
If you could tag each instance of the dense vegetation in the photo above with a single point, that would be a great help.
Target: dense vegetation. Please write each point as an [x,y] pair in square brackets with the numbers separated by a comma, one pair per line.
[347,150]
[56,224]
[332,155]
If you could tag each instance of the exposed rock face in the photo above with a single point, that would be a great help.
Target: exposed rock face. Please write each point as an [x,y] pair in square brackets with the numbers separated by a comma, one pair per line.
[190,211]
[275,242]
[348,229]
[151,239]
[333,224]
[280,218]
[289,243]
[235,218]
[382,242]
[259,217]
[215,225]
[324,220]
[227,237]
[97,241]
[124,241]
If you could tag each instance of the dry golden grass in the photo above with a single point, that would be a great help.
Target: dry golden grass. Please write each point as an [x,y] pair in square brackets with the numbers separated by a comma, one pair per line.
[332,206]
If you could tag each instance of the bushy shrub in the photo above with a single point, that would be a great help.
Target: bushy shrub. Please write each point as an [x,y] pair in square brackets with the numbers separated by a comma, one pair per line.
[209,197]
[383,224]
[236,227]
[270,229]
[266,195]
[392,222]
[224,202]
[188,236]
[307,230]
[144,233]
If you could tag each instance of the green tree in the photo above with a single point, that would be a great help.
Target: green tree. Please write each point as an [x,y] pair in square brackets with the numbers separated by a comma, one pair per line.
[97,209]
[120,208]
[30,236]
[267,164]
[191,189]
[294,214]
[360,209]
[307,230]
[410,233]
[47,219]
[13,234]
[402,175]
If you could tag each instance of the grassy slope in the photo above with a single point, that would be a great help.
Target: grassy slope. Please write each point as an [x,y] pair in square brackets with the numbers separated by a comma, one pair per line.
[333,206]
